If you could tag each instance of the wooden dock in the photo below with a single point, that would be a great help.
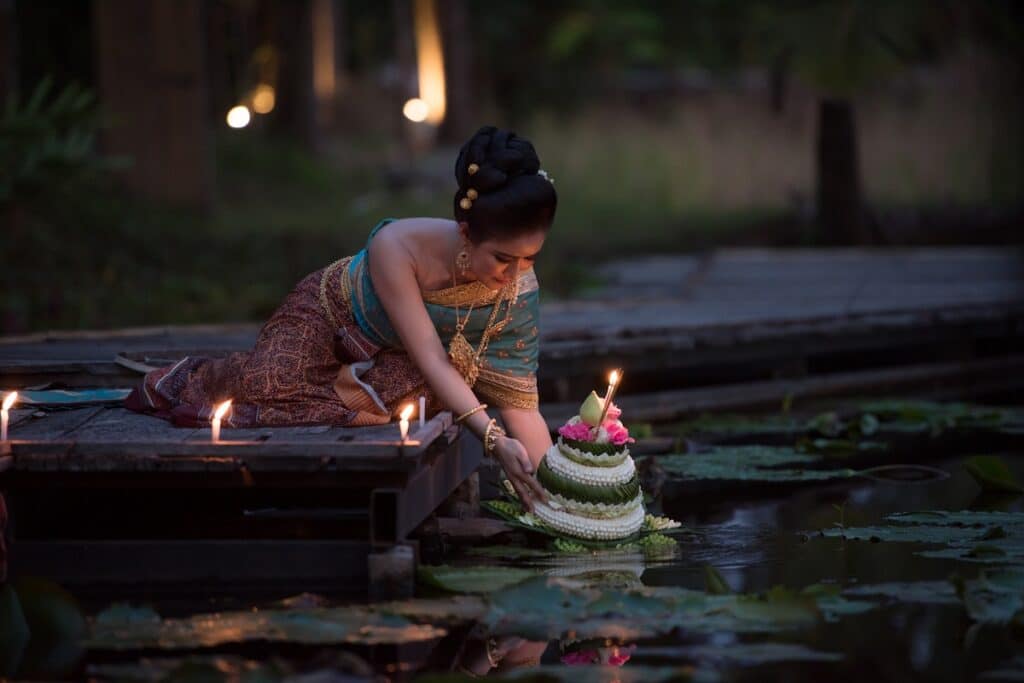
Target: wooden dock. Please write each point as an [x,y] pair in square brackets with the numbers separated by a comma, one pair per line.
[99,494]
[102,495]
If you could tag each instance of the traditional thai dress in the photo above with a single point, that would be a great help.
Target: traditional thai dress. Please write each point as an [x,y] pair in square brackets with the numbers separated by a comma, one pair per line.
[330,355]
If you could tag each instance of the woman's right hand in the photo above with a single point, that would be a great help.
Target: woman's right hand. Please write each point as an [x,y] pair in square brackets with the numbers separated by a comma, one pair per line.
[513,458]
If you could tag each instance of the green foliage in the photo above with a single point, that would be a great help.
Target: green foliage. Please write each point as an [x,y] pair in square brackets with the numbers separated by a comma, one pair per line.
[714,582]
[992,474]
[47,143]
[748,463]
[480,579]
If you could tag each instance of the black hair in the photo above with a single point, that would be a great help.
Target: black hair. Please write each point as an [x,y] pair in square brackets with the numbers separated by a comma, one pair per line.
[512,198]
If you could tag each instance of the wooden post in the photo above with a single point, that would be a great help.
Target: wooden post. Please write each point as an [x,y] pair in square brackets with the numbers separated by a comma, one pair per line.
[8,51]
[152,81]
[460,121]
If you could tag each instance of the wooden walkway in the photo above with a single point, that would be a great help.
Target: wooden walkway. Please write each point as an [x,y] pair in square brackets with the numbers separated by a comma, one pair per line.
[101,495]
[676,322]
[92,488]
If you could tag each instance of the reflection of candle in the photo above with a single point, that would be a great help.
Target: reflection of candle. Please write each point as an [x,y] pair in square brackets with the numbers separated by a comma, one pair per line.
[423,410]
[613,385]
[5,413]
[403,424]
[217,415]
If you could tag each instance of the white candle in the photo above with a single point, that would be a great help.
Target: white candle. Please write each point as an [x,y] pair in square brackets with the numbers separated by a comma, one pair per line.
[612,386]
[403,423]
[217,415]
[423,411]
[5,413]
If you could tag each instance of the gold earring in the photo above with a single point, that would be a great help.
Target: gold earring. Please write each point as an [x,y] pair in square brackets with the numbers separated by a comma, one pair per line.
[462,261]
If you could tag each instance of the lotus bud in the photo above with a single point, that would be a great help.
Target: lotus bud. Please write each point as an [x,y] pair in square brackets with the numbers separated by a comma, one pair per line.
[590,411]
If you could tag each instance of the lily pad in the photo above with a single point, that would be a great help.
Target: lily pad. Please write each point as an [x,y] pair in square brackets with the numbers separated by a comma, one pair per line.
[729,425]
[968,535]
[992,474]
[749,463]
[745,654]
[924,592]
[316,626]
[472,579]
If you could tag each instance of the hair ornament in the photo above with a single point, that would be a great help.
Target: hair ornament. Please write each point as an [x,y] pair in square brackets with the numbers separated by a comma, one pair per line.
[472,169]
[472,194]
[544,174]
[466,203]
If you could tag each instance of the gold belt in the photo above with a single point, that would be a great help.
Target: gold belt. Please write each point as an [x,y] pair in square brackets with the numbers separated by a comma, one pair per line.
[346,287]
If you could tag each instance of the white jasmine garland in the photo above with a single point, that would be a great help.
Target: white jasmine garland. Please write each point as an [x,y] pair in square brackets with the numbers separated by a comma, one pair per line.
[595,476]
[590,529]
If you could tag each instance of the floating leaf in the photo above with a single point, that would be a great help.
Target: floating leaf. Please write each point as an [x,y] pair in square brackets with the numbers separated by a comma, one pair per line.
[745,654]
[472,579]
[926,592]
[714,582]
[748,463]
[992,474]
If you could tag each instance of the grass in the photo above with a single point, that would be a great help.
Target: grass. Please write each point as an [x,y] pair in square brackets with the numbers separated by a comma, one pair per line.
[712,171]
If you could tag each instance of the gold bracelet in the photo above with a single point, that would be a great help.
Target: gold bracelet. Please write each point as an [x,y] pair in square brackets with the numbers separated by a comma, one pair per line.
[491,435]
[470,413]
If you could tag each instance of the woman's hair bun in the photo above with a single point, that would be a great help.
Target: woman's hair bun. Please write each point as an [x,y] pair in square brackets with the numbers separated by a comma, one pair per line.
[500,154]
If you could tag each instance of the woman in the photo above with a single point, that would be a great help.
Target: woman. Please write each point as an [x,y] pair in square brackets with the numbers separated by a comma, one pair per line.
[446,309]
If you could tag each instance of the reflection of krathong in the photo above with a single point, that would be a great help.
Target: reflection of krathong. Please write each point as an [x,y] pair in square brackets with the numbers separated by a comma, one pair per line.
[596,651]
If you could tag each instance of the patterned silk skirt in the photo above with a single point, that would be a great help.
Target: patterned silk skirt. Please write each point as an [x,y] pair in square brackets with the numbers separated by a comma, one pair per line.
[311,365]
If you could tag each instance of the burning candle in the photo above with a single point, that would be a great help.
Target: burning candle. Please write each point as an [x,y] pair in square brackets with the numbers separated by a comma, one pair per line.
[613,379]
[423,411]
[613,385]
[403,424]
[5,413]
[217,415]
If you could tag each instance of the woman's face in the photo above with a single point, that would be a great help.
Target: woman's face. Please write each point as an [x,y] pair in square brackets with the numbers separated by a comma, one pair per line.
[497,262]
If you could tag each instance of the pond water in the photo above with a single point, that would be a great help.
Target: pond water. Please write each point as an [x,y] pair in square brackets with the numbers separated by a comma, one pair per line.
[858,603]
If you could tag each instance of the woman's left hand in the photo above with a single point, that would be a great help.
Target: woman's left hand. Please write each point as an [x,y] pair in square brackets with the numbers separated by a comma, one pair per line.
[512,456]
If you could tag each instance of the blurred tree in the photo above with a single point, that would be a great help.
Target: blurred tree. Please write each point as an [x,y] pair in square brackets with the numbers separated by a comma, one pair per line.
[8,50]
[840,47]
[295,114]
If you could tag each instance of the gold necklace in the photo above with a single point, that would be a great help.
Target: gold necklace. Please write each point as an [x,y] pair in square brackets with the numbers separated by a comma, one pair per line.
[463,357]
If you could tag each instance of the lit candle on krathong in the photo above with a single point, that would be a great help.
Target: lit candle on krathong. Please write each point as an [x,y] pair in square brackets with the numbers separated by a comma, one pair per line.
[423,411]
[5,413]
[403,423]
[613,384]
[217,416]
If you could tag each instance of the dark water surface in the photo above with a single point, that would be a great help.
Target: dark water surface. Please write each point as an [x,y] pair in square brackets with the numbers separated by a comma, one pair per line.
[769,541]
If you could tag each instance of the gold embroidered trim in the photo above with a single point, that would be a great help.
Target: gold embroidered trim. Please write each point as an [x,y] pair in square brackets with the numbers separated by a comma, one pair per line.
[501,397]
[476,294]
[523,383]
[505,391]
[345,289]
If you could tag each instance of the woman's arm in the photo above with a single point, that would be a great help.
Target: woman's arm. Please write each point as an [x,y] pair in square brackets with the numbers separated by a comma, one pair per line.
[529,427]
[391,270]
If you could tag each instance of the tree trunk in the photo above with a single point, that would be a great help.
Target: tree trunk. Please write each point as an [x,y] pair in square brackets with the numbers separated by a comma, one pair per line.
[152,79]
[295,114]
[840,205]
[8,51]
[460,121]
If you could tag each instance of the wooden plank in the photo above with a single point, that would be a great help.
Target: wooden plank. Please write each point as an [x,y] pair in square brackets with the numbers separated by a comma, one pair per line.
[672,405]
[54,425]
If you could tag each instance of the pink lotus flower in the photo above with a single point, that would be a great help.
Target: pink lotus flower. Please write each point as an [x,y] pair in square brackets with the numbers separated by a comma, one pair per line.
[577,432]
[580,658]
[618,434]
[614,412]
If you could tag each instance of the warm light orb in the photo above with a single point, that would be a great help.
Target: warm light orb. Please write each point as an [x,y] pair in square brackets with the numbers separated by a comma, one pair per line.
[263,99]
[239,117]
[613,378]
[9,400]
[406,412]
[416,110]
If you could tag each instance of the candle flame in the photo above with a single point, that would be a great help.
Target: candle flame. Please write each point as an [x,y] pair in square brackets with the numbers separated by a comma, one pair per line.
[221,409]
[613,378]
[407,411]
[9,400]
